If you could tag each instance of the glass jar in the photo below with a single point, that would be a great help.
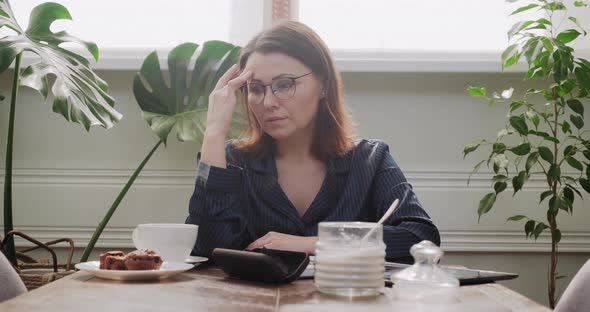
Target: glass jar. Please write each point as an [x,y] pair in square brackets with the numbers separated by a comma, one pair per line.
[347,261]
[425,282]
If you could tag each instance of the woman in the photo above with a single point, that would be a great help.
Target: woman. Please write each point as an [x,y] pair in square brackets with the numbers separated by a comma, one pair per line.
[299,164]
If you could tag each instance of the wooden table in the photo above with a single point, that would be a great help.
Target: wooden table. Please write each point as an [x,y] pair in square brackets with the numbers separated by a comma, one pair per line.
[205,288]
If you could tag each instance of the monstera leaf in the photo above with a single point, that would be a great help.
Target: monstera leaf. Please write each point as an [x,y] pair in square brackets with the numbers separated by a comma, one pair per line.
[78,93]
[176,100]
[179,103]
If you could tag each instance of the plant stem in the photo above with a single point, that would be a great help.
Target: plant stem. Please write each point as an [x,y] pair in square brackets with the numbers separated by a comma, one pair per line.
[552,219]
[115,204]
[9,248]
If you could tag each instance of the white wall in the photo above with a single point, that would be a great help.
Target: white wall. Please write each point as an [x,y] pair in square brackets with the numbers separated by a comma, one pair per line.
[65,178]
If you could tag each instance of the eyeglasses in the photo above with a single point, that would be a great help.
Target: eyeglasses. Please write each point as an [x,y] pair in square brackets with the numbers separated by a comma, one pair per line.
[282,87]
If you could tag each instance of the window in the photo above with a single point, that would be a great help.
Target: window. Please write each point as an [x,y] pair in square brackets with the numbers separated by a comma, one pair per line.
[150,24]
[365,35]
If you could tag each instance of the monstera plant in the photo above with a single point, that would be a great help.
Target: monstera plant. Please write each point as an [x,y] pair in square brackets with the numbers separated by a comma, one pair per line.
[78,93]
[177,104]
[544,133]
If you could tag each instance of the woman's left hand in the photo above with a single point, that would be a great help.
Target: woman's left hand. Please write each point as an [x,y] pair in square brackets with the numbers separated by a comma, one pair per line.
[280,241]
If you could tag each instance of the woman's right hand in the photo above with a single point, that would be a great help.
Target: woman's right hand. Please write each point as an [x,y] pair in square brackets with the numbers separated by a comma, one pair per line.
[222,101]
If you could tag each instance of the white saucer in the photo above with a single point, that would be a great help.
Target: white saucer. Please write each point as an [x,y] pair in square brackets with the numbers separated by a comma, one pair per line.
[195,259]
[168,269]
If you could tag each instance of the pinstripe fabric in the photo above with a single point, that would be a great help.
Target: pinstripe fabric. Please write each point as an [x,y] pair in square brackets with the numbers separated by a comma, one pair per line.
[237,205]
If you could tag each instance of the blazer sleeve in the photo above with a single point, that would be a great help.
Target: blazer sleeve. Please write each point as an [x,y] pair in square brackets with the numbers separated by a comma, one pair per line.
[410,224]
[215,206]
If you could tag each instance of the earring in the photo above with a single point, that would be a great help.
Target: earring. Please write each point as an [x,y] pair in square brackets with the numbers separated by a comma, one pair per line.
[323,94]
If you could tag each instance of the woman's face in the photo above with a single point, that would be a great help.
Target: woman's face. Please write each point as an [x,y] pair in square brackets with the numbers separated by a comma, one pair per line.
[283,113]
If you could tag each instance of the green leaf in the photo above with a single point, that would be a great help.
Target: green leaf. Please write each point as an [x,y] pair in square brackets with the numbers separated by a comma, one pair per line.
[519,123]
[580,4]
[539,133]
[585,183]
[544,195]
[539,229]
[574,163]
[511,60]
[518,181]
[546,154]
[568,35]
[529,226]
[554,173]
[78,93]
[569,179]
[521,149]
[475,169]
[554,6]
[516,105]
[531,161]
[551,139]
[500,186]
[533,47]
[181,104]
[571,187]
[499,148]
[517,27]
[575,21]
[583,77]
[508,52]
[536,120]
[486,203]
[554,204]
[516,218]
[471,147]
[569,150]
[565,127]
[499,178]
[476,91]
[577,121]
[556,236]
[525,8]
[568,194]
[547,44]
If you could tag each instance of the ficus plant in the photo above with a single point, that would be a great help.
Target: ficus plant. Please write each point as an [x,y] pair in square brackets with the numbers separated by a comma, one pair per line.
[78,94]
[544,131]
[176,100]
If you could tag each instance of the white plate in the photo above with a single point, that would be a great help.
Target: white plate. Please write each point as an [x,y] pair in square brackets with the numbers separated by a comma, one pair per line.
[195,259]
[166,270]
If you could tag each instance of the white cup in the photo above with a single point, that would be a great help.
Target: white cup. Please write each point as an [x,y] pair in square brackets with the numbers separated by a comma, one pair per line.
[173,241]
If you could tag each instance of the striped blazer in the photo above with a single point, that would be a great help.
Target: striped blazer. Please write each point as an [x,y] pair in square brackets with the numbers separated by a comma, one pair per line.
[237,205]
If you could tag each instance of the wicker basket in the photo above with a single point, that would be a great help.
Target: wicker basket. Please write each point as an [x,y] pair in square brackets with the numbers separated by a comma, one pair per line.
[36,273]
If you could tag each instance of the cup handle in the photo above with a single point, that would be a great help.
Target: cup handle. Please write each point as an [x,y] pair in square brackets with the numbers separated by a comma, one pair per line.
[135,238]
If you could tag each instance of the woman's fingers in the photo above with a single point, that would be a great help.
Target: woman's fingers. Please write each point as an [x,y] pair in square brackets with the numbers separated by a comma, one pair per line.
[261,242]
[239,81]
[225,78]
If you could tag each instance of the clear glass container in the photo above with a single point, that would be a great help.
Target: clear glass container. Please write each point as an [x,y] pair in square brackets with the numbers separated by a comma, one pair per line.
[348,262]
[425,281]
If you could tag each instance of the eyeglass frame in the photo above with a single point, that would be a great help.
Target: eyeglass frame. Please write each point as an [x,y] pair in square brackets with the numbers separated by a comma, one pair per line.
[245,88]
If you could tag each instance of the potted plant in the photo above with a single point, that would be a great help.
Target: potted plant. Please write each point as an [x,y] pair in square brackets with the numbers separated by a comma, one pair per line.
[545,126]
[179,106]
[77,92]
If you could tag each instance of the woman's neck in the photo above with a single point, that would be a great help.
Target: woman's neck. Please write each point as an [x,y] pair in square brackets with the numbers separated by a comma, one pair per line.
[297,148]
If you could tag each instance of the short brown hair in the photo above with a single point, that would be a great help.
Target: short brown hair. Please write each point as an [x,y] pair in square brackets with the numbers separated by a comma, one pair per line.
[333,133]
